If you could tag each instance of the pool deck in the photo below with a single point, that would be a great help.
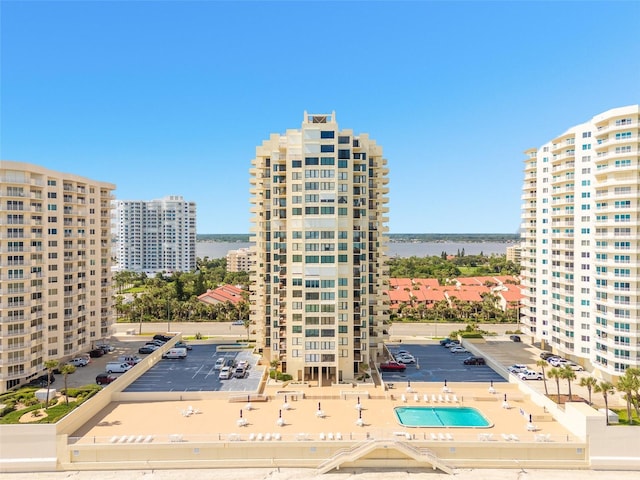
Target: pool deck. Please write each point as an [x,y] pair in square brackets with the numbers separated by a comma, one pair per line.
[217,419]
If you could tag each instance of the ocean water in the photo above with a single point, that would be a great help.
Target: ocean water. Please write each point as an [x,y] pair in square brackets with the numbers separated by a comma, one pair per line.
[400,249]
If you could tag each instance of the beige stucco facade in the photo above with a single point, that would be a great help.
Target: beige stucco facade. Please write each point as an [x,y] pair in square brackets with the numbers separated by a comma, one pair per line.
[55,268]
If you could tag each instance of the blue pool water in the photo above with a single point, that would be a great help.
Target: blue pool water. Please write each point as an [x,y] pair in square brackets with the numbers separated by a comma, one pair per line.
[441,417]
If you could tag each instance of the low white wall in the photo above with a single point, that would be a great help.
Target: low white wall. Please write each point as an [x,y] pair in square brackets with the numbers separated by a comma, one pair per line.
[28,448]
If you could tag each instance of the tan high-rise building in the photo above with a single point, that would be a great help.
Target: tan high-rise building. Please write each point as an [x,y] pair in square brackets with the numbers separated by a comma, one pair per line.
[240,260]
[55,268]
[581,240]
[319,210]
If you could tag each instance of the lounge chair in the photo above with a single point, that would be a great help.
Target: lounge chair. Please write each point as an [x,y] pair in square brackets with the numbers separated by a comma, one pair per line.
[433,398]
[449,436]
[140,438]
[440,399]
[441,436]
[114,439]
[322,436]
[338,436]
[252,437]
[260,437]
[123,439]
[514,437]
[425,397]
[404,398]
[447,398]
[455,399]
[329,436]
[148,439]
[267,436]
[506,437]
[434,436]
[276,436]
[416,398]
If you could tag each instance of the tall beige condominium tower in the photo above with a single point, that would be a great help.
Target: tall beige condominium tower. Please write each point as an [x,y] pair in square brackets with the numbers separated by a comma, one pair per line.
[55,268]
[319,210]
[581,242]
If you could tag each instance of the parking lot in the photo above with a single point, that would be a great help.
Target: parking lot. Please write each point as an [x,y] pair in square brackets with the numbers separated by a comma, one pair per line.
[197,373]
[435,363]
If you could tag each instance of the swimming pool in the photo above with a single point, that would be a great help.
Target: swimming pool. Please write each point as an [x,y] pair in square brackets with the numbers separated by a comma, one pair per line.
[441,417]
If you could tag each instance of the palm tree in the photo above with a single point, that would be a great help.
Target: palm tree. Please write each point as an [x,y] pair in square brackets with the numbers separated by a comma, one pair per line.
[543,363]
[627,384]
[589,383]
[568,374]
[607,389]
[246,322]
[556,375]
[50,365]
[66,370]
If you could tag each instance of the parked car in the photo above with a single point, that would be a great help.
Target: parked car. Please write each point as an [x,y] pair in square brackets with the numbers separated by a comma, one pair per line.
[41,381]
[403,352]
[220,363]
[392,367]
[183,345]
[163,337]
[147,349]
[515,338]
[530,375]
[225,373]
[517,368]
[574,366]
[556,361]
[445,341]
[240,372]
[105,378]
[546,355]
[157,343]
[458,349]
[130,359]
[237,322]
[406,359]
[118,367]
[474,361]
[78,362]
[180,353]
[96,353]
[105,347]
[452,343]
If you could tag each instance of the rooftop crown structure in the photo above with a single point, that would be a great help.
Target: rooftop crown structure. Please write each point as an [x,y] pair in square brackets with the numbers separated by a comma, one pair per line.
[319,210]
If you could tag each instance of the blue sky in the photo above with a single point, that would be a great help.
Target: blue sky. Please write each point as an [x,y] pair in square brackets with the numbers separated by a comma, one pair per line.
[172,98]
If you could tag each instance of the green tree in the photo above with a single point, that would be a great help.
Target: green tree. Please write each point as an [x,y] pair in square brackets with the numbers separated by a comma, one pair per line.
[542,364]
[246,322]
[589,383]
[50,365]
[606,388]
[556,374]
[66,370]
[569,375]
[627,384]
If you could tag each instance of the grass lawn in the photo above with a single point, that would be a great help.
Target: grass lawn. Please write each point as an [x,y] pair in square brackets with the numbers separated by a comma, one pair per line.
[624,420]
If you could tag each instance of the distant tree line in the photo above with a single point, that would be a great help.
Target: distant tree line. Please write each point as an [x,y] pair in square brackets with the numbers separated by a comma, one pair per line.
[460,265]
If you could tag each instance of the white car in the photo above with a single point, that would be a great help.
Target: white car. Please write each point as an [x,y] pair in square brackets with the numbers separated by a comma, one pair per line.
[405,359]
[574,366]
[220,363]
[226,373]
[458,349]
[79,362]
[530,375]
[556,361]
[517,368]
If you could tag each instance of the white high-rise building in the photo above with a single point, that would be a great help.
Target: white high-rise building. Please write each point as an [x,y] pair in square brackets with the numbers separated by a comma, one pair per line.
[55,268]
[581,242]
[319,209]
[156,236]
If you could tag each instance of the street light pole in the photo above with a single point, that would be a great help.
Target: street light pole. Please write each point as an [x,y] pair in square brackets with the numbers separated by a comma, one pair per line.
[168,315]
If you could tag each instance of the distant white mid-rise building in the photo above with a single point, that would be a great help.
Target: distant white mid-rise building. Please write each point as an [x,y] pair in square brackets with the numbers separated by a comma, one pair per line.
[514,253]
[155,236]
[581,242]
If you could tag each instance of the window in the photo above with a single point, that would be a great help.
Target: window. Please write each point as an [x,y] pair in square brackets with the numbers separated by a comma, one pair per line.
[326,148]
[327,134]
